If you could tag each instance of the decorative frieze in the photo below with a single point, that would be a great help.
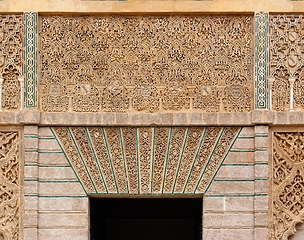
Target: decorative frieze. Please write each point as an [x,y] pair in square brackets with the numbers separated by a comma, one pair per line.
[287,180]
[146,63]
[146,160]
[10,211]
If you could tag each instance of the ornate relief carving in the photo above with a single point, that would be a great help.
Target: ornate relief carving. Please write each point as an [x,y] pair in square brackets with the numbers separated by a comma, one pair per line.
[145,160]
[70,150]
[100,149]
[10,219]
[130,154]
[221,149]
[160,154]
[146,63]
[11,88]
[85,151]
[286,54]
[11,53]
[114,144]
[287,183]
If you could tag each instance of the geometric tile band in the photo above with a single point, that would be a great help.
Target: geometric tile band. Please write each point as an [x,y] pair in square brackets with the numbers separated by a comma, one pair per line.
[146,63]
[261,59]
[30,59]
[145,160]
[287,180]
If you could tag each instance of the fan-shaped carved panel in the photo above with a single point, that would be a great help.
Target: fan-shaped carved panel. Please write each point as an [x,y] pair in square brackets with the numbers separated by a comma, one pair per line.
[145,160]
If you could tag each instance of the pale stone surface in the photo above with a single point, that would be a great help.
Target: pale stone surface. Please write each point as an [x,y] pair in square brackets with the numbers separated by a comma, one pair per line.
[240,158]
[60,189]
[228,220]
[239,204]
[231,188]
[64,204]
[52,159]
[49,145]
[228,234]
[235,173]
[243,143]
[56,173]
[64,234]
[51,220]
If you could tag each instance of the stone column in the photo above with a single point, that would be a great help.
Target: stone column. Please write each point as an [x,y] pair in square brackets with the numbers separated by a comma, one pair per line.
[1,83]
[291,82]
[261,182]
[270,82]
[31,183]
[21,93]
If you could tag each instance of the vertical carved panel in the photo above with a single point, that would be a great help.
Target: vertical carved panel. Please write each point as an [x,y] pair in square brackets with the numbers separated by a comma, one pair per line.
[11,88]
[113,139]
[10,219]
[11,54]
[202,158]
[146,63]
[192,145]
[85,151]
[175,153]
[145,136]
[286,60]
[130,154]
[261,59]
[160,154]
[287,204]
[30,59]
[100,149]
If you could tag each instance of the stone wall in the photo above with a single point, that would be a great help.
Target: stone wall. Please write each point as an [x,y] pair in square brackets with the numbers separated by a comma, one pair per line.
[152,99]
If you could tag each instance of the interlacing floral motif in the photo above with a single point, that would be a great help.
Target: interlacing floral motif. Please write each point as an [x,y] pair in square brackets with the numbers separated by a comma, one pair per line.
[11,55]
[9,186]
[145,160]
[146,63]
[286,60]
[287,184]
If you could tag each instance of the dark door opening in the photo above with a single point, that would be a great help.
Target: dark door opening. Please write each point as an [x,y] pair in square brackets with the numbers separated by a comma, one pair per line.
[146,219]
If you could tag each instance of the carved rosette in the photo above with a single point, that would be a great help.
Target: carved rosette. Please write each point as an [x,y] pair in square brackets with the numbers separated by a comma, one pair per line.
[9,186]
[287,206]
[146,63]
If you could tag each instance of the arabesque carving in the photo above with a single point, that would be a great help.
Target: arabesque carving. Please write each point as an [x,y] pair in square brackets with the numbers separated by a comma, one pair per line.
[146,160]
[146,63]
[10,212]
[11,55]
[286,61]
[287,184]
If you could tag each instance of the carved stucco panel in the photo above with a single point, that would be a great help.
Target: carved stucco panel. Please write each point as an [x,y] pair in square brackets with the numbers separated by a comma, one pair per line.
[146,63]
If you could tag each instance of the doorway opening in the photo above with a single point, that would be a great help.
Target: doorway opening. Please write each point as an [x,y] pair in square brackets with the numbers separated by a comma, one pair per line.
[146,218]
